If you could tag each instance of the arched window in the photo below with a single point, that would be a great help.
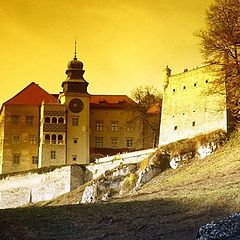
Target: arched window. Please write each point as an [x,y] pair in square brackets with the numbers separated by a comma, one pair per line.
[54,138]
[54,120]
[61,120]
[47,119]
[60,139]
[47,138]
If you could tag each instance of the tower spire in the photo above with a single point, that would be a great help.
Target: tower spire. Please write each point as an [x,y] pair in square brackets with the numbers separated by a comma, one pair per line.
[75,51]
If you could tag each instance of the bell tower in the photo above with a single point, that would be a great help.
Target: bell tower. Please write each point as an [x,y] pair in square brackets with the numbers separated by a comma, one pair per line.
[76,99]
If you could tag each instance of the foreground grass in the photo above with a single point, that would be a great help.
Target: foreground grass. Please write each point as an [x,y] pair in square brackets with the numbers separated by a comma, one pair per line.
[171,206]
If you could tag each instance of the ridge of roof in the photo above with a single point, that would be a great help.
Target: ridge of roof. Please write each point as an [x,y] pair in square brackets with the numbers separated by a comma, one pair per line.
[32,94]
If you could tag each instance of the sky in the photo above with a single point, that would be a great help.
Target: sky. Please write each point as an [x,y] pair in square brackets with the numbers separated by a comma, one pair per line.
[123,44]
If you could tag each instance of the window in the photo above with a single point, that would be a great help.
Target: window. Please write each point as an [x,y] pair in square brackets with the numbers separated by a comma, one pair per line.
[193,123]
[33,140]
[99,126]
[54,120]
[16,158]
[114,126]
[47,119]
[206,81]
[174,90]
[53,154]
[61,120]
[175,128]
[130,126]
[16,139]
[114,142]
[54,139]
[74,157]
[99,142]
[60,139]
[15,119]
[129,142]
[184,87]
[75,121]
[29,121]
[75,140]
[195,84]
[34,159]
[47,138]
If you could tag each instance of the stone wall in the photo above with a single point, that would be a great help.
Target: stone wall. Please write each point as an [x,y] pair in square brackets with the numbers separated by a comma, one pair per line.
[31,187]
[191,107]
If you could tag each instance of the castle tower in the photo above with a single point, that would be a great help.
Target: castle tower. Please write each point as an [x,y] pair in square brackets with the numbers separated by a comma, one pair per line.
[76,99]
[165,78]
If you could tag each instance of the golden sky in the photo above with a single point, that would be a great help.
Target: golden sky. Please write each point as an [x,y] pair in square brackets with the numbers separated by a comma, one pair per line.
[122,43]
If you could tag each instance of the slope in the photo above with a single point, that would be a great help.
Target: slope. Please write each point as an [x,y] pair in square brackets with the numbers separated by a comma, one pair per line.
[171,206]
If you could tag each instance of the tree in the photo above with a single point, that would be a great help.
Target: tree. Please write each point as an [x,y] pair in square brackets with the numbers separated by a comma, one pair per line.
[220,45]
[148,101]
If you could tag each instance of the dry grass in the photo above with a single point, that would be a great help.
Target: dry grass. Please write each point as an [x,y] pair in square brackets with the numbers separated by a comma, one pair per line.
[171,206]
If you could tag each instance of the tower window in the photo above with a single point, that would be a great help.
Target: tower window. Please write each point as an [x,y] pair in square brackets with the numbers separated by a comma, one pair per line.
[174,90]
[193,123]
[74,157]
[184,87]
[29,121]
[47,119]
[206,81]
[183,114]
[75,140]
[47,138]
[175,128]
[53,154]
[195,84]
[60,139]
[75,121]
[54,120]
[61,120]
[54,139]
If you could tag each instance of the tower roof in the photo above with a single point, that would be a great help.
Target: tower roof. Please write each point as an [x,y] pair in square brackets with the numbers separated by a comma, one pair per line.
[32,95]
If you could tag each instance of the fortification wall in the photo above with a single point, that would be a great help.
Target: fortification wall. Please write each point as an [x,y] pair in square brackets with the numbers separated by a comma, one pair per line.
[23,188]
[189,108]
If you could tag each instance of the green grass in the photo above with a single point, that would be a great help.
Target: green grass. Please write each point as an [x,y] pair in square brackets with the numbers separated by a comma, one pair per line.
[171,206]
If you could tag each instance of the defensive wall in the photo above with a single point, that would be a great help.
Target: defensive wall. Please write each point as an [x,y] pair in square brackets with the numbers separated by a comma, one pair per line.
[43,184]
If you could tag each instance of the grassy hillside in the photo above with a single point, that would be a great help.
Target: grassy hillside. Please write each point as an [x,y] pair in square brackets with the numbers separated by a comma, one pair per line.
[171,206]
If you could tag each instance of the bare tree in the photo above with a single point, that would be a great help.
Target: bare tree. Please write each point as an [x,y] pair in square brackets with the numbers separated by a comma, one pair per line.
[148,101]
[220,45]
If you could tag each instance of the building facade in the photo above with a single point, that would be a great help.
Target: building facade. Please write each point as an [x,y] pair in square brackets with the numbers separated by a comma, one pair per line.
[190,106]
[38,129]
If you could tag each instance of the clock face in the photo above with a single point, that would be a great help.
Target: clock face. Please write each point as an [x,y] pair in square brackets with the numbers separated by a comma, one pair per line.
[76,105]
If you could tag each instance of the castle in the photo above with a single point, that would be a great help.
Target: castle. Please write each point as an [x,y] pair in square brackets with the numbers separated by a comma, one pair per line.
[39,129]
[190,105]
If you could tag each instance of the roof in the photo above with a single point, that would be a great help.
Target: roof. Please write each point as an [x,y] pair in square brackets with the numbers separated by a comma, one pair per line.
[32,95]
[111,101]
[156,108]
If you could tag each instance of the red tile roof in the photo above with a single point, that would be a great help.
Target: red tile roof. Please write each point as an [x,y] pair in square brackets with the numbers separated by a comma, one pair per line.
[32,95]
[111,101]
[156,108]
